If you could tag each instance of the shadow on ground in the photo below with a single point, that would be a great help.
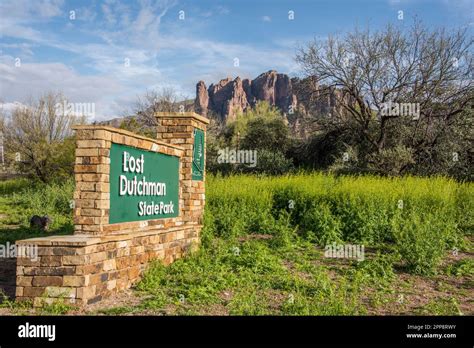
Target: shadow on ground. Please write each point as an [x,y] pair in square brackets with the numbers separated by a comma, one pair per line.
[7,277]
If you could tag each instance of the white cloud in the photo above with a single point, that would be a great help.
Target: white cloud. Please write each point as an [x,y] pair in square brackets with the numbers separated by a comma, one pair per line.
[34,80]
[24,48]
[31,11]
[216,11]
[48,8]
[266,19]
[222,10]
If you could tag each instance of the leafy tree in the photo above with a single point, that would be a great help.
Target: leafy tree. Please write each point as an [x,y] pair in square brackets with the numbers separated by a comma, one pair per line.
[262,129]
[271,134]
[262,113]
[269,162]
[373,74]
[38,138]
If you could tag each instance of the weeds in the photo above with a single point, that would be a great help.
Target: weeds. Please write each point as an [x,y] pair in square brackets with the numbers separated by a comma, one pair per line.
[262,240]
[461,268]
[283,274]
[24,201]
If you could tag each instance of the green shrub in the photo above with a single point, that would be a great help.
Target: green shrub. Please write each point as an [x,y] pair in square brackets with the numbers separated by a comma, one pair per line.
[319,224]
[421,240]
[272,162]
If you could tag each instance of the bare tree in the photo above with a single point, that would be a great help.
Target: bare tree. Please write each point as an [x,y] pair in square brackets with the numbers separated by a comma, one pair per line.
[164,100]
[36,135]
[378,73]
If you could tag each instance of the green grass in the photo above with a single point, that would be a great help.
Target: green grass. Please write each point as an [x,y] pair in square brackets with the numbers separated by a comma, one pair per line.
[15,307]
[13,185]
[410,224]
[263,241]
[461,268]
[57,307]
[23,201]
[249,278]
[446,306]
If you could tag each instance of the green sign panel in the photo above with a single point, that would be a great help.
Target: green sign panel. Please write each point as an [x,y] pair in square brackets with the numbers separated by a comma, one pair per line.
[198,155]
[144,185]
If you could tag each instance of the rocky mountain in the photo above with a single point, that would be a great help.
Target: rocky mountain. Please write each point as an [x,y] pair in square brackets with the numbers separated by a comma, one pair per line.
[229,97]
[304,97]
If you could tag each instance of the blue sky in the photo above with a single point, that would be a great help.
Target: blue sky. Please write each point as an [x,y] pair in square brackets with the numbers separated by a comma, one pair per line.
[113,50]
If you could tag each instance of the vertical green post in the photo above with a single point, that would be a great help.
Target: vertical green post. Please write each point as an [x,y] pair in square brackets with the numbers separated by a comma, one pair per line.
[198,155]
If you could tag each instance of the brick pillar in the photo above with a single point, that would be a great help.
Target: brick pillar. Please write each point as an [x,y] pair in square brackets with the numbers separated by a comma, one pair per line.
[179,128]
[92,169]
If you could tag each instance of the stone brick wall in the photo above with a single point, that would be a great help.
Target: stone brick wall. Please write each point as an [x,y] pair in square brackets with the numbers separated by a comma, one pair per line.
[101,258]
[92,168]
[178,129]
[84,269]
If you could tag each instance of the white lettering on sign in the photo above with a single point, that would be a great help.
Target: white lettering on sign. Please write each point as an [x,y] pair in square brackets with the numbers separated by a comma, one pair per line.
[145,209]
[135,187]
[132,164]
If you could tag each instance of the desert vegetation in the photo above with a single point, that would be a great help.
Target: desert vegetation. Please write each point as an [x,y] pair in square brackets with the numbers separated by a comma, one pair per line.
[265,253]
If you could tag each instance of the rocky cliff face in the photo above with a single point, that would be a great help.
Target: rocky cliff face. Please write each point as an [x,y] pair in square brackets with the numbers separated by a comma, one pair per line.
[202,98]
[301,100]
[315,99]
[229,97]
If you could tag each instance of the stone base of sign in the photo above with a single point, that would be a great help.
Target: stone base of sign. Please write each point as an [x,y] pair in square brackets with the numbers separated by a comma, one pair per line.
[83,269]
[101,258]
